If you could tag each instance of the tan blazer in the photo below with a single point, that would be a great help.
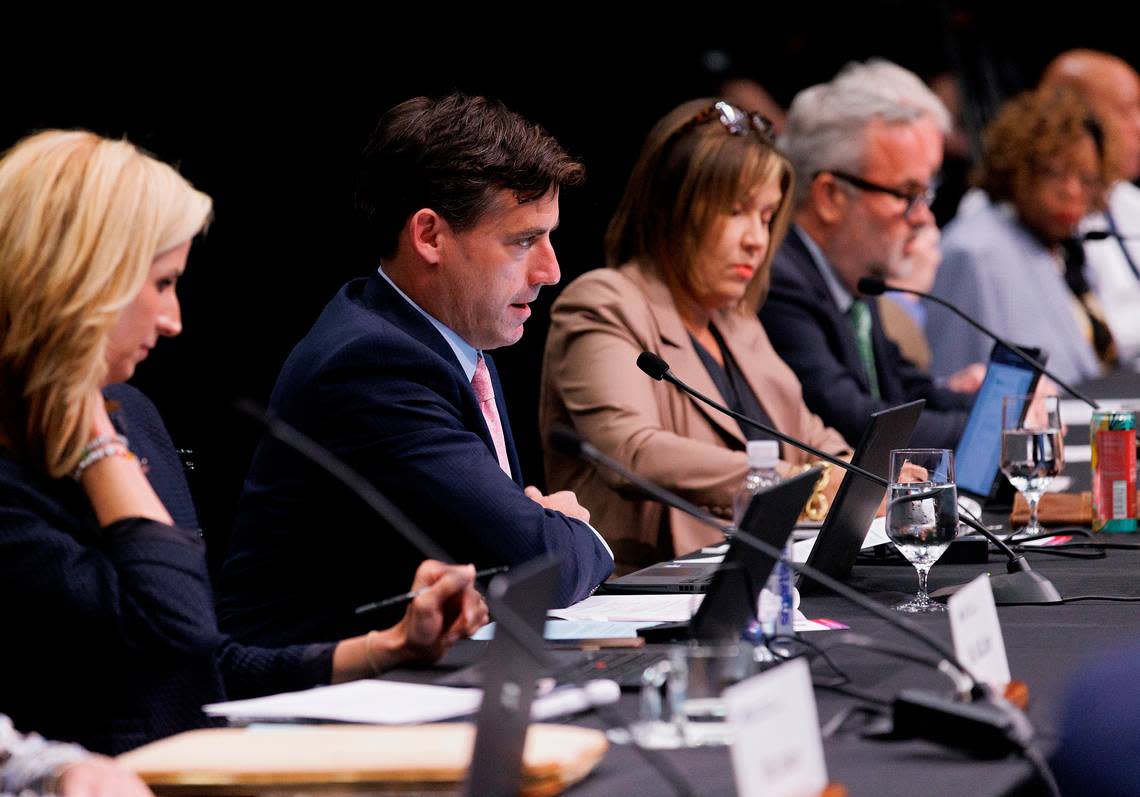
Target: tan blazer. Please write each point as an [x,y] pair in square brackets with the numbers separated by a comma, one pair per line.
[590,380]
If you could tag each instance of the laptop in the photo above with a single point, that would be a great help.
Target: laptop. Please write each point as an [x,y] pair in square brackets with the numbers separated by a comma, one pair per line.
[841,536]
[511,674]
[771,516]
[977,458]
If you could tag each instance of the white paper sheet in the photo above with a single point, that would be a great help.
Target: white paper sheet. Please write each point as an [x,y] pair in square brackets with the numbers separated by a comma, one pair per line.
[381,702]
[396,703]
[1077,454]
[575,629]
[876,535]
[633,608]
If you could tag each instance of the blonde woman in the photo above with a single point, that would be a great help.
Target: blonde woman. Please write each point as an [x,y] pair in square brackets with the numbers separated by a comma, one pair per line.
[110,633]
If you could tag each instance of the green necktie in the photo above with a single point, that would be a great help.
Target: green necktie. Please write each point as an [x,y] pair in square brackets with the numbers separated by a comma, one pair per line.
[861,319]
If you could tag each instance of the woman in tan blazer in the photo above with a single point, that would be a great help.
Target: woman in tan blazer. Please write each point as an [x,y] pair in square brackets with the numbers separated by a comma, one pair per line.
[688,252]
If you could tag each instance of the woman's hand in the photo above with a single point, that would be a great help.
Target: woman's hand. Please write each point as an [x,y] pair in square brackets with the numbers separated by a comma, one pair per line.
[449,608]
[100,423]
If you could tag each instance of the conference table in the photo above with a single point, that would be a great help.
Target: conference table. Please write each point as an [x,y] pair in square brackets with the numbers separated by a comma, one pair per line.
[1045,646]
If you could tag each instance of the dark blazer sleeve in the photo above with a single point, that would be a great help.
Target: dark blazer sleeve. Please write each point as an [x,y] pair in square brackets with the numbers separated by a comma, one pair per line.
[804,327]
[377,385]
[411,435]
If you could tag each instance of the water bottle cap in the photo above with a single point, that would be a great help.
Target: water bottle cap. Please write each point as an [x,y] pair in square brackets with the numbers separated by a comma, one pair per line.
[763,453]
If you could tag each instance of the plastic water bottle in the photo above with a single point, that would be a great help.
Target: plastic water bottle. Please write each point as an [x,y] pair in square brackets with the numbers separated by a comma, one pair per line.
[762,474]
[776,610]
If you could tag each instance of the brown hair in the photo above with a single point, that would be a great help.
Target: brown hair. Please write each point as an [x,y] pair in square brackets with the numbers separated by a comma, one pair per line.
[686,178]
[1034,127]
[451,155]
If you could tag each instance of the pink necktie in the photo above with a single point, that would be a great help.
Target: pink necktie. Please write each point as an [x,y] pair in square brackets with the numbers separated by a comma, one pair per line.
[485,394]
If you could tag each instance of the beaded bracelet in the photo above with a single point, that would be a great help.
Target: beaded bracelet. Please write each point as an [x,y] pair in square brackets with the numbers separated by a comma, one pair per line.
[101,441]
[110,450]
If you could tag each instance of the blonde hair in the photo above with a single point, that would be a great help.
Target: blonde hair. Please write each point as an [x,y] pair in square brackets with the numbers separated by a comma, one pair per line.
[81,220]
[687,176]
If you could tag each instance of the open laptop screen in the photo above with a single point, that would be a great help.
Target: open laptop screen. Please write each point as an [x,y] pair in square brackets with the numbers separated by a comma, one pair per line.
[978,455]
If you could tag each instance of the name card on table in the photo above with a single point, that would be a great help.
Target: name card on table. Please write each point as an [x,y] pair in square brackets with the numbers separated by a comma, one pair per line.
[777,750]
[977,633]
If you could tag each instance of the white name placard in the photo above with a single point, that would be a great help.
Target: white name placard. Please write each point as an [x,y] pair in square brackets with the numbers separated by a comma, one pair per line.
[777,750]
[977,633]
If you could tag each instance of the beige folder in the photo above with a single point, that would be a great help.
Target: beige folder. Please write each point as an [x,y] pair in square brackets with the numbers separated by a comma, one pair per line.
[327,759]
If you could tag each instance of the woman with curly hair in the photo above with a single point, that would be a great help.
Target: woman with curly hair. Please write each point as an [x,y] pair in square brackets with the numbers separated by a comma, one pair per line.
[1047,161]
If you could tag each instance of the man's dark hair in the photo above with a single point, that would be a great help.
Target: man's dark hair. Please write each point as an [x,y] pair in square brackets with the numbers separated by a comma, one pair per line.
[452,155]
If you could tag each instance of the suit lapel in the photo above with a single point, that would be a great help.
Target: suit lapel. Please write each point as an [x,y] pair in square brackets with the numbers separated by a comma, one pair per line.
[382,299]
[841,325]
[879,346]
[678,350]
[508,436]
[744,343]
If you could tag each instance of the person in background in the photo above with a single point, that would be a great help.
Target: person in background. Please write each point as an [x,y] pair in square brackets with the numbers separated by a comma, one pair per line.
[1111,87]
[1047,161]
[866,162]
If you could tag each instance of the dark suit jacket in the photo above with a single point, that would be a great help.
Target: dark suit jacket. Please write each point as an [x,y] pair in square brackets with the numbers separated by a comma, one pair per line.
[375,383]
[818,341]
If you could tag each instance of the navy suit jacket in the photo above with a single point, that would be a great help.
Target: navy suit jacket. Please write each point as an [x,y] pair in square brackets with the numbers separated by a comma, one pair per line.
[376,383]
[818,341]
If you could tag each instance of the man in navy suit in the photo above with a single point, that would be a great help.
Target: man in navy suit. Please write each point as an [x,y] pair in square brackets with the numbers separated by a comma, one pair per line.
[866,158]
[461,195]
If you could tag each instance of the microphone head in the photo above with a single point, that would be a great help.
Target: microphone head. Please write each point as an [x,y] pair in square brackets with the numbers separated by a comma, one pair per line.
[653,365]
[871,286]
[565,440]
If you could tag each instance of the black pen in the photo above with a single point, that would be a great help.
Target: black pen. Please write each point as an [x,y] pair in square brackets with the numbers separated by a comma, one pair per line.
[411,595]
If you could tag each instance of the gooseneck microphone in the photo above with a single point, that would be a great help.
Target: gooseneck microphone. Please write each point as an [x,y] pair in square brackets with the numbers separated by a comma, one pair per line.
[916,713]
[1019,585]
[505,616]
[657,368]
[359,486]
[569,442]
[873,286]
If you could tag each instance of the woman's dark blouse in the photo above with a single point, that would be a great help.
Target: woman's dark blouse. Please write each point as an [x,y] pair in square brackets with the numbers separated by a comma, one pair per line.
[110,634]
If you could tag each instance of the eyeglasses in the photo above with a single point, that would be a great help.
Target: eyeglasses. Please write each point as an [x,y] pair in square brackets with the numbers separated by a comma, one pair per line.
[912,198]
[735,121]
